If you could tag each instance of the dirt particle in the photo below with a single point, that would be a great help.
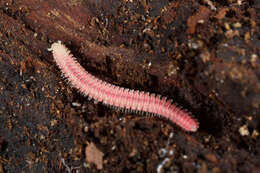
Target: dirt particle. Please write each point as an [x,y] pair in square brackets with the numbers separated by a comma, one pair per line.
[173,69]
[231,33]
[133,152]
[227,26]
[221,13]
[202,14]
[211,158]
[53,122]
[162,152]
[164,164]
[205,56]
[76,104]
[94,155]
[253,60]
[195,44]
[210,3]
[237,25]
[86,128]
[247,36]
[243,130]
[255,134]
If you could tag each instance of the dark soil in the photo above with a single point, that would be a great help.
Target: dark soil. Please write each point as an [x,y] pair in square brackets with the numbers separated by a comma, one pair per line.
[203,54]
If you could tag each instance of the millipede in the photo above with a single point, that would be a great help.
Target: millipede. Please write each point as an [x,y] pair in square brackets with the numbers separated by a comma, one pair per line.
[119,97]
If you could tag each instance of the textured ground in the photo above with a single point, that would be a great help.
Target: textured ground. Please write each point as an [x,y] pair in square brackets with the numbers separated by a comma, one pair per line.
[203,54]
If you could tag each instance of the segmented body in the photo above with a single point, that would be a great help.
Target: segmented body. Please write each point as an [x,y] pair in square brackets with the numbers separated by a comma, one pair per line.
[115,96]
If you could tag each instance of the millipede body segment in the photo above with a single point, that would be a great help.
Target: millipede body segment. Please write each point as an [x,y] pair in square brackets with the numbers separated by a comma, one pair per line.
[115,96]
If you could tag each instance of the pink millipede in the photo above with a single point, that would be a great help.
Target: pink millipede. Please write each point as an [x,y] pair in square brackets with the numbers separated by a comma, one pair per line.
[108,94]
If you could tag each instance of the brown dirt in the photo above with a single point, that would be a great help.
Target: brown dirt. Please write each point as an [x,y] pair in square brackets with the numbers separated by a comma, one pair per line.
[206,59]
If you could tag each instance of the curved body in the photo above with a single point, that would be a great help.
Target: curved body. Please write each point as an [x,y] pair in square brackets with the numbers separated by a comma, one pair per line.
[124,98]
